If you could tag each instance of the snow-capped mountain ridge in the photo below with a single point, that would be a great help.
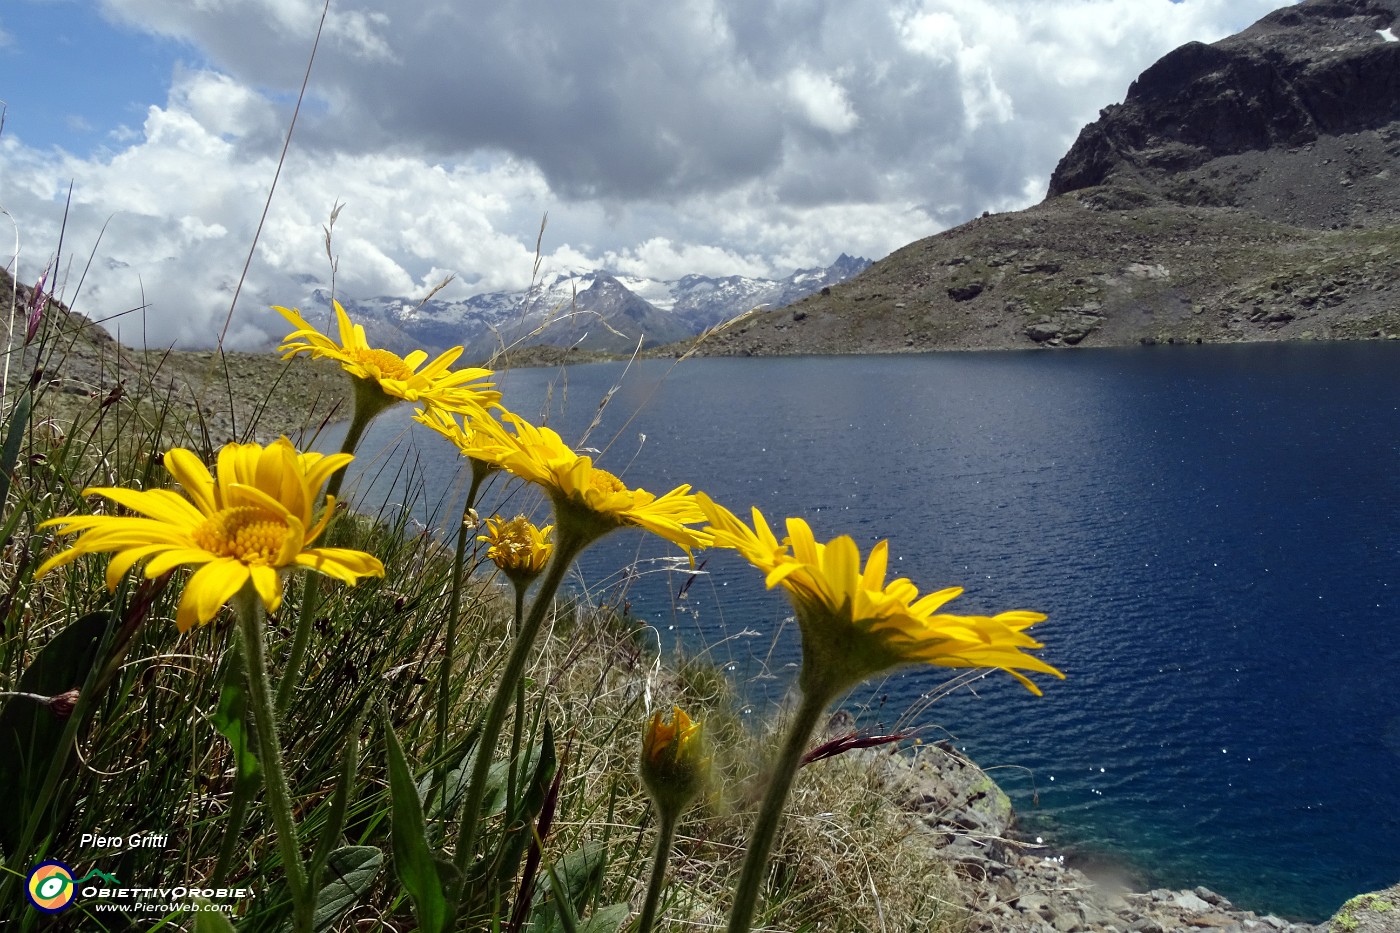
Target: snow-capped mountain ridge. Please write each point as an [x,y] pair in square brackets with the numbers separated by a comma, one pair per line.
[595,309]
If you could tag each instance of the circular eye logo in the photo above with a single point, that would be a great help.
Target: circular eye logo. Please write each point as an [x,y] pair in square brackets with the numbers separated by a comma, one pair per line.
[50,887]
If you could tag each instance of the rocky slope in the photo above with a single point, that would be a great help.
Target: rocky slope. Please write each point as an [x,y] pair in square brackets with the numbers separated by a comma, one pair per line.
[1014,885]
[200,397]
[1243,190]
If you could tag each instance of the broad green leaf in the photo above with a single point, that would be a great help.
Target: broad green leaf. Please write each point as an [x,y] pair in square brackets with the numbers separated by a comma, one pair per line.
[575,879]
[442,808]
[209,920]
[348,875]
[230,718]
[14,436]
[413,859]
[541,764]
[607,919]
[31,731]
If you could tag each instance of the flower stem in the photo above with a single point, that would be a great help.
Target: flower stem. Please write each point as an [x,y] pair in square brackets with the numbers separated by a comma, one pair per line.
[517,728]
[311,593]
[765,828]
[248,608]
[449,647]
[665,838]
[566,549]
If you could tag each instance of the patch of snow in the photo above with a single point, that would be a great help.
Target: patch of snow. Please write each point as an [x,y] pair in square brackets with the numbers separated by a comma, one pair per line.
[1387,35]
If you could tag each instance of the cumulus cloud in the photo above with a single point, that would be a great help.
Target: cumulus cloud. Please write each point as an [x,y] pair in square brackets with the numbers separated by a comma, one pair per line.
[715,136]
[822,101]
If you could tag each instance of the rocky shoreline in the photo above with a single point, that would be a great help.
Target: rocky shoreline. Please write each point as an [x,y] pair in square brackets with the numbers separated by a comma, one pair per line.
[1014,886]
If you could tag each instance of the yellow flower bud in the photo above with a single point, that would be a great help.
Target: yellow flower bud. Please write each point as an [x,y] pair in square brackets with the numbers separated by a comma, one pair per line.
[517,547]
[674,765]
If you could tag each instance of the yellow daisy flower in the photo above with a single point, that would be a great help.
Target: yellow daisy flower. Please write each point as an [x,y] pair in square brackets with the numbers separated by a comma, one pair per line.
[587,500]
[397,378]
[855,625]
[479,439]
[253,523]
[517,546]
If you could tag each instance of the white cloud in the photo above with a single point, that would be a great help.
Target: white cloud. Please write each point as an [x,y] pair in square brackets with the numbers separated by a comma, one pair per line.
[822,101]
[715,136]
[662,259]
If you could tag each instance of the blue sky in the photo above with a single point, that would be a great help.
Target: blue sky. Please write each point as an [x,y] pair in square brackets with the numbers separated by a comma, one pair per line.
[78,76]
[713,136]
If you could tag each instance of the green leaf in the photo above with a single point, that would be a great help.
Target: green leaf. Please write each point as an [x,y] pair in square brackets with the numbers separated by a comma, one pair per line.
[442,808]
[413,860]
[607,919]
[14,436]
[31,732]
[349,873]
[575,879]
[209,920]
[230,718]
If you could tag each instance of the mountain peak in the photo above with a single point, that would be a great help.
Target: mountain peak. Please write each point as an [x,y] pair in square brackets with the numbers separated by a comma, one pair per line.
[594,309]
[1320,68]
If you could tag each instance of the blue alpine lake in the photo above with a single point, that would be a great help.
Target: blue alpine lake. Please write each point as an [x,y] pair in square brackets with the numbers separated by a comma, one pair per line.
[1212,531]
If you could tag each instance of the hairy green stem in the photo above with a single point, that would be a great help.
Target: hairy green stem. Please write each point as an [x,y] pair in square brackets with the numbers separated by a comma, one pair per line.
[366,407]
[665,838]
[765,828]
[449,647]
[566,549]
[278,796]
[517,728]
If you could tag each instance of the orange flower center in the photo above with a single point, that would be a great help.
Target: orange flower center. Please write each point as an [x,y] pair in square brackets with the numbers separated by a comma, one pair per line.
[604,482]
[388,365]
[245,532]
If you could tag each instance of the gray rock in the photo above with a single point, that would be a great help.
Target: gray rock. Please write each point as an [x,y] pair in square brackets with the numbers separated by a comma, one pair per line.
[1188,901]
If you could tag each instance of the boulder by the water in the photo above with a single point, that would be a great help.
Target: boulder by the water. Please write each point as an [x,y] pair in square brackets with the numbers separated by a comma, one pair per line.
[1013,885]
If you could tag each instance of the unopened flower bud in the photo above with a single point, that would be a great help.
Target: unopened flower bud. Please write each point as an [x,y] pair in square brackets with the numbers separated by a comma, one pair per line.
[517,547]
[674,765]
[63,704]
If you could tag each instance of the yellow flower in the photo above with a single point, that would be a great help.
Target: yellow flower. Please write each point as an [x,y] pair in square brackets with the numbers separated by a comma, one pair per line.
[479,439]
[586,500]
[517,546]
[673,765]
[394,376]
[252,523]
[854,624]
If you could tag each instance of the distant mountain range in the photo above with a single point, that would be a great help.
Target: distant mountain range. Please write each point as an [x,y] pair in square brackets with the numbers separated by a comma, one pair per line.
[593,310]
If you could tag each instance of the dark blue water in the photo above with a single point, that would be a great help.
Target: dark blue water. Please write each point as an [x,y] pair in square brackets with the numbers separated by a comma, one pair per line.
[1213,532]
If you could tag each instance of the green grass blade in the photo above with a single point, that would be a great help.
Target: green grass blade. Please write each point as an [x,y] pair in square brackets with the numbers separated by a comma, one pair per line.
[340,801]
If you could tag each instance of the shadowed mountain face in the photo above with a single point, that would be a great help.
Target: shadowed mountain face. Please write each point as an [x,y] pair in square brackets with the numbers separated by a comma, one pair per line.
[1323,68]
[1244,190]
